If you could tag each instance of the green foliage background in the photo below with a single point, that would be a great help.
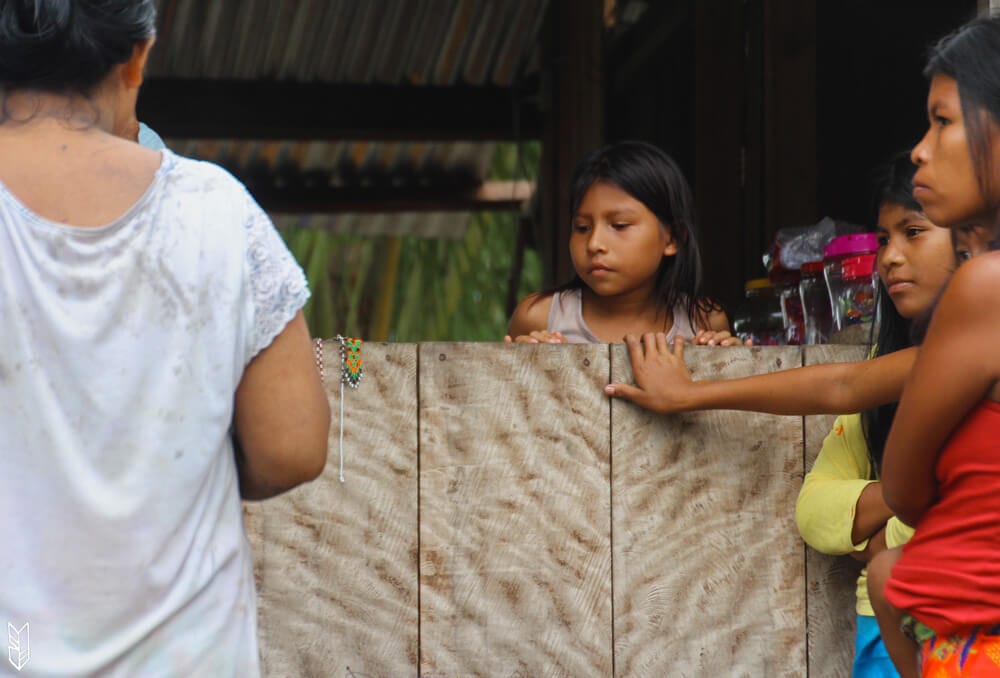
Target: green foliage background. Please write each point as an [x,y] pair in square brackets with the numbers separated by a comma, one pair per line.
[411,289]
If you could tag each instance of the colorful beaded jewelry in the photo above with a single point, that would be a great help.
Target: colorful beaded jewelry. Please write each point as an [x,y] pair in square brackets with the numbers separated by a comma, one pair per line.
[351,371]
[352,367]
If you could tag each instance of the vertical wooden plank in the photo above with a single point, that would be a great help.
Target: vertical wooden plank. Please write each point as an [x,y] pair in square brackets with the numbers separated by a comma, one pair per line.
[831,580]
[254,528]
[574,106]
[514,511]
[709,573]
[789,114]
[336,563]
[720,162]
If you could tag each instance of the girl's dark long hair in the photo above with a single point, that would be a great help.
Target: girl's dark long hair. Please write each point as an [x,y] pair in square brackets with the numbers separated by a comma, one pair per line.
[893,186]
[653,178]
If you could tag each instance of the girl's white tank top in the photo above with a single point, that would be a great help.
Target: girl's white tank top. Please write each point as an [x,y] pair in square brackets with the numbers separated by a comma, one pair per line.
[566,317]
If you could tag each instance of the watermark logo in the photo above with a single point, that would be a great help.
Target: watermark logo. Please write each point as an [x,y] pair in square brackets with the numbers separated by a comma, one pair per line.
[18,650]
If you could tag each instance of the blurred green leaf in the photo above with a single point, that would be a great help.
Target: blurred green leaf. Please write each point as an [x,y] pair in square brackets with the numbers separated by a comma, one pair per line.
[449,290]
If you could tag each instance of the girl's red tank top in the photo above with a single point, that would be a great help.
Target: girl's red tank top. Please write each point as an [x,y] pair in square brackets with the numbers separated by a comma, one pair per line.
[949,574]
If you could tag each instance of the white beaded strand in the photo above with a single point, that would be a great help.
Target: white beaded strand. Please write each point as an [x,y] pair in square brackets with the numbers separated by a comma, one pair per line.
[321,366]
[344,379]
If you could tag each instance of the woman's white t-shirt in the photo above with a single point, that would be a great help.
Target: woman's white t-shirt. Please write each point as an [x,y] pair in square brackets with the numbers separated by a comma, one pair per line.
[121,535]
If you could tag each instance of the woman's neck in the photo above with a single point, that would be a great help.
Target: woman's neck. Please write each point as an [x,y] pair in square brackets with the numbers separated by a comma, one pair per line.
[28,110]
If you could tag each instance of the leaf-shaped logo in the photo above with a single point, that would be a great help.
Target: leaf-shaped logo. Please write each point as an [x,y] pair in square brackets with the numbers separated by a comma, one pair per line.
[18,650]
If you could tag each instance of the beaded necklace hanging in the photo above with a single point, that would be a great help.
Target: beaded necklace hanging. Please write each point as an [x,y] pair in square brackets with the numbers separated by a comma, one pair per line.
[351,371]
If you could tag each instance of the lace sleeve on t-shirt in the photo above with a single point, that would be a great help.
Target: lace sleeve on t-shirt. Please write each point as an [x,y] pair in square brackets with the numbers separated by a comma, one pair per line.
[278,287]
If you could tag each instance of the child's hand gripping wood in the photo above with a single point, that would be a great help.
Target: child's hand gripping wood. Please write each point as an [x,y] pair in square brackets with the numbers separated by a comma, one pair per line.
[662,379]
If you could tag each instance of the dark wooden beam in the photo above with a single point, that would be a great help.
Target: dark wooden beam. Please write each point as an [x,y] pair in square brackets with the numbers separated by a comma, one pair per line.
[305,199]
[729,230]
[635,47]
[574,120]
[789,143]
[756,132]
[252,109]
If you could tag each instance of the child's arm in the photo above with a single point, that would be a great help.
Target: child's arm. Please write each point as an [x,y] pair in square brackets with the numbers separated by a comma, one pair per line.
[834,511]
[957,366]
[530,321]
[713,330]
[663,384]
[870,514]
[901,649]
[718,338]
[874,546]
[716,321]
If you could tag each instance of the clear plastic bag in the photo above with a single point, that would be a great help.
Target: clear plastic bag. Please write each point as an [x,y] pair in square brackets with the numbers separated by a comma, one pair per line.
[796,245]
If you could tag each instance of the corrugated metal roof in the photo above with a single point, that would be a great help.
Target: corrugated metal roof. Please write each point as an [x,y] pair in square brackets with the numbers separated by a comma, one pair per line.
[389,42]
[385,42]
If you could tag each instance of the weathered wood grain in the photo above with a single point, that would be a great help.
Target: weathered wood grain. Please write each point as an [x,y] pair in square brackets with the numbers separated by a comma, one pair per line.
[515,555]
[336,564]
[709,575]
[521,462]
[253,525]
[830,579]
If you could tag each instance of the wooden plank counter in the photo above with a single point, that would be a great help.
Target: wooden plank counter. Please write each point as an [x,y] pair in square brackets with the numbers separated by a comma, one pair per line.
[502,517]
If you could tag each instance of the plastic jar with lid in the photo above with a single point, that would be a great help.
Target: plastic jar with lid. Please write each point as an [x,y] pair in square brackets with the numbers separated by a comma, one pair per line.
[834,254]
[816,311]
[786,285]
[759,317]
[856,303]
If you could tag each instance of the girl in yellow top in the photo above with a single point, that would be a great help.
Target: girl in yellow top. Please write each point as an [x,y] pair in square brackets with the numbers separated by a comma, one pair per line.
[840,509]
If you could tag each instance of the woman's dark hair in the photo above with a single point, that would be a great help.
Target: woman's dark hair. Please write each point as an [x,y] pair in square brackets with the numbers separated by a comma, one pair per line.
[971,56]
[893,186]
[653,178]
[68,46]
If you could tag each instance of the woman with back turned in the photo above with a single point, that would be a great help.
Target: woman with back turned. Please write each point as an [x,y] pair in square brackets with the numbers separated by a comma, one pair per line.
[154,366]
